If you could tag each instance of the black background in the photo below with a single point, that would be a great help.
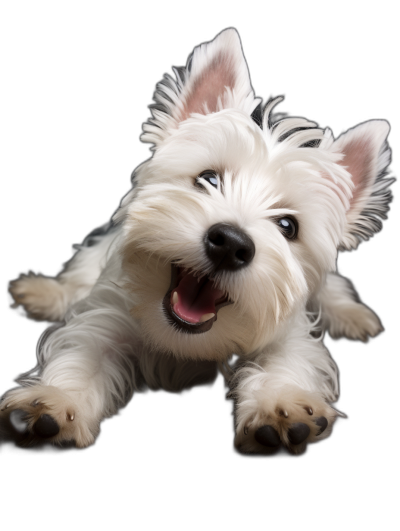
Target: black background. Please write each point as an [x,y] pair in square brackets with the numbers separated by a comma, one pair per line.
[78,87]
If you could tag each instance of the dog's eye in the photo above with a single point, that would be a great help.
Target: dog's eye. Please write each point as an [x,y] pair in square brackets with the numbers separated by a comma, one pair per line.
[289,227]
[208,175]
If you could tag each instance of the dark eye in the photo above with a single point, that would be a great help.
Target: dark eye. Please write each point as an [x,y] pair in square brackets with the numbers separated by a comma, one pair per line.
[208,175]
[289,227]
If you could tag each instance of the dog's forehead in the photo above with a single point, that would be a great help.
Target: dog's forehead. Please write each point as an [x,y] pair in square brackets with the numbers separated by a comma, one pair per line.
[223,127]
[227,139]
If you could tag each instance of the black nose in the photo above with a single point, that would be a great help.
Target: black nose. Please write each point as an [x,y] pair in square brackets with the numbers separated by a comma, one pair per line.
[228,247]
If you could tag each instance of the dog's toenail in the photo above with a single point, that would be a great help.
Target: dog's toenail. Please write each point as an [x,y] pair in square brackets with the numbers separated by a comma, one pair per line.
[46,427]
[19,419]
[322,422]
[35,403]
[284,413]
[267,436]
[70,416]
[298,432]
[309,410]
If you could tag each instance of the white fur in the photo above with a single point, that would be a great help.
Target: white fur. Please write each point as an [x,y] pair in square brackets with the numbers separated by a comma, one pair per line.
[117,333]
[342,312]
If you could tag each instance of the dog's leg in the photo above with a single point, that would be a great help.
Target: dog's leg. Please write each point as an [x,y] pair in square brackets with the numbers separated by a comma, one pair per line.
[284,396]
[48,298]
[342,312]
[86,372]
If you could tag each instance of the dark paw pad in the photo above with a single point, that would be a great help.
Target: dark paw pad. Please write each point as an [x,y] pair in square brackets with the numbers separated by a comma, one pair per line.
[298,433]
[322,422]
[19,419]
[267,436]
[46,427]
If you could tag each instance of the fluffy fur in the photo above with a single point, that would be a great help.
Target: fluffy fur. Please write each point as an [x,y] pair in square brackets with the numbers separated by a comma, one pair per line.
[114,333]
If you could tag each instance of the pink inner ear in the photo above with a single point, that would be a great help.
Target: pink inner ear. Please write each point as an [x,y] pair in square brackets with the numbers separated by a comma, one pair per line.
[210,85]
[358,159]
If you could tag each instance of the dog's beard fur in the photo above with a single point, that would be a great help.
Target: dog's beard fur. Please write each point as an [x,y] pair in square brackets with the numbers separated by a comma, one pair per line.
[259,182]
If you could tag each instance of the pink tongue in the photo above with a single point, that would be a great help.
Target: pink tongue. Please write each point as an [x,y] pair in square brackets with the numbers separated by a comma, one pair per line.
[196,298]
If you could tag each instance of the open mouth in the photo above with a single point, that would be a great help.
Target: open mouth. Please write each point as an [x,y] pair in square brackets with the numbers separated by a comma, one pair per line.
[192,301]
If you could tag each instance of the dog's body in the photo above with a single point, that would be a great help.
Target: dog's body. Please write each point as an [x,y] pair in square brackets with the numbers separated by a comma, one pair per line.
[248,212]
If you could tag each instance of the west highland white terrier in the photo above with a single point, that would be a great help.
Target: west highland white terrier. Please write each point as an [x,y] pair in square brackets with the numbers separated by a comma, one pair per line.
[225,245]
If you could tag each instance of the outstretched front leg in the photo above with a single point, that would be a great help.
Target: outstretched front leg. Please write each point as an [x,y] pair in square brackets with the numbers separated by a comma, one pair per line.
[283,396]
[86,373]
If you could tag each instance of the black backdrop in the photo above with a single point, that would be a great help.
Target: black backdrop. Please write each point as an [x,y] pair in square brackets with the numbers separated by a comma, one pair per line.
[78,91]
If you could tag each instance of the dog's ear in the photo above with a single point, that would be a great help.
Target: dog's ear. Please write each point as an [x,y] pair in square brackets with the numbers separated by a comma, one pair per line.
[366,156]
[215,77]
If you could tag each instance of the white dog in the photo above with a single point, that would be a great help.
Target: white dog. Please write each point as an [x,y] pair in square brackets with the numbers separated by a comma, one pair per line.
[226,244]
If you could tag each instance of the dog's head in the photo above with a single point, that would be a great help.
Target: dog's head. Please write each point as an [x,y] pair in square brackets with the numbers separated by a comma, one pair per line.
[238,216]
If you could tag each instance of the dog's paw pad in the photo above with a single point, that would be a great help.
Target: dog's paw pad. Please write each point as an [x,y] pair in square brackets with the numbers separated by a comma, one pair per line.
[298,433]
[48,413]
[289,417]
[267,436]
[322,423]
[19,420]
[46,427]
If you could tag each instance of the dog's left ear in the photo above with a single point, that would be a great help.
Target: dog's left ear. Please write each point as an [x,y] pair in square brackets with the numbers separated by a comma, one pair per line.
[216,77]
[367,156]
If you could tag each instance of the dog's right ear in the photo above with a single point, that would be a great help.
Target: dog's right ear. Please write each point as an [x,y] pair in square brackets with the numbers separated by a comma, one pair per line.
[215,77]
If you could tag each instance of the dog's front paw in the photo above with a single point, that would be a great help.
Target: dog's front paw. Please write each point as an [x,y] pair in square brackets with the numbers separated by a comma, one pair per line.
[290,417]
[49,413]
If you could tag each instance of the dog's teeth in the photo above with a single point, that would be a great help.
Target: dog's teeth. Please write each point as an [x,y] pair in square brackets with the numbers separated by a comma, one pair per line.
[175,298]
[206,317]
